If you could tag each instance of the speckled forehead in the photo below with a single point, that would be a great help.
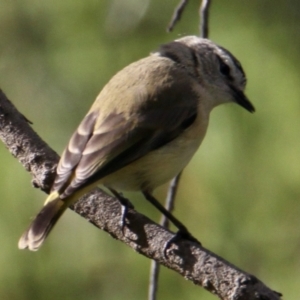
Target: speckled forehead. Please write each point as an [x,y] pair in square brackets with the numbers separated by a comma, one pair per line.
[230,59]
[201,45]
[192,40]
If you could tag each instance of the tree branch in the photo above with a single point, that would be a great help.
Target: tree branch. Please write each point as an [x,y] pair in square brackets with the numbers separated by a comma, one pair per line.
[24,144]
[164,222]
[177,14]
[192,261]
[204,14]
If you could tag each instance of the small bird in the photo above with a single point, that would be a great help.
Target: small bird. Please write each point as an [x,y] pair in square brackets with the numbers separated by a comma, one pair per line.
[144,127]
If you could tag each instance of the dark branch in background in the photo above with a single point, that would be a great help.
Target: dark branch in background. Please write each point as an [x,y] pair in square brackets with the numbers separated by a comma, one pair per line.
[203,12]
[177,14]
[204,18]
[170,201]
[154,269]
[190,260]
[171,198]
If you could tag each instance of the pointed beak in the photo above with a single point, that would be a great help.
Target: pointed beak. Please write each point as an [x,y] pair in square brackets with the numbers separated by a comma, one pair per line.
[241,99]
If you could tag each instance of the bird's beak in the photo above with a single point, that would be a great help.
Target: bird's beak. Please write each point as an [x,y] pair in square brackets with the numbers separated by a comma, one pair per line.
[241,99]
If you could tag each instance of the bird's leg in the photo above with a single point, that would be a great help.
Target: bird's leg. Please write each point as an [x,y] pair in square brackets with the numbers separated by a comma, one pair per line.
[125,204]
[182,230]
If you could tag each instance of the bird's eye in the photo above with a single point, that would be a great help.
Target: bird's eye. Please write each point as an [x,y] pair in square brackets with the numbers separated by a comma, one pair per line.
[224,68]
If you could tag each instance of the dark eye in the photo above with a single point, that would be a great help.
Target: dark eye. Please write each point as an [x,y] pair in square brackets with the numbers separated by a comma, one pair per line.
[224,68]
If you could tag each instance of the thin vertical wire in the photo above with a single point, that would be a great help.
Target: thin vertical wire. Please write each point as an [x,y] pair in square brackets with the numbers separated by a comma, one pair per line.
[170,200]
[204,18]
[177,14]
[155,266]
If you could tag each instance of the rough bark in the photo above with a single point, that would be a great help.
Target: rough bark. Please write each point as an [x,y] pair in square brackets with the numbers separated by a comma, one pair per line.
[191,260]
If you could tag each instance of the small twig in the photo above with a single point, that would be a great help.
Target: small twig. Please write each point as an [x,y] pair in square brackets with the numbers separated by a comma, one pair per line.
[155,266]
[153,284]
[170,200]
[204,14]
[173,187]
[177,14]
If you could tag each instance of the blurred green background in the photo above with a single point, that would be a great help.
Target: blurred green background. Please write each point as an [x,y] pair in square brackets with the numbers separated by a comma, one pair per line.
[240,192]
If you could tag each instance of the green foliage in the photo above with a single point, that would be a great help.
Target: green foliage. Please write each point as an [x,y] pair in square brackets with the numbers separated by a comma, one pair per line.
[241,191]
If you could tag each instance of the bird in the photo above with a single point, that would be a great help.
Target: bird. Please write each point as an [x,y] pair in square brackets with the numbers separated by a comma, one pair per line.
[144,127]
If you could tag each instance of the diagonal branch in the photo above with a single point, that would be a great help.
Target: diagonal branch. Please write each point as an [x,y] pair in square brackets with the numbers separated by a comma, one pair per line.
[177,14]
[193,262]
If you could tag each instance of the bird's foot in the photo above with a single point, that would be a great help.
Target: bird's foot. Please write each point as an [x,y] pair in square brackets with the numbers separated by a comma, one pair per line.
[125,206]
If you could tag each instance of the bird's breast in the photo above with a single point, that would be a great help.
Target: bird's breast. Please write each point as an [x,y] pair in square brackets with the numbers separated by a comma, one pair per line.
[160,165]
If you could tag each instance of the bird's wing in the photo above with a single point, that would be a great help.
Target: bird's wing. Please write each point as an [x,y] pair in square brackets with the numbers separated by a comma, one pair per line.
[102,145]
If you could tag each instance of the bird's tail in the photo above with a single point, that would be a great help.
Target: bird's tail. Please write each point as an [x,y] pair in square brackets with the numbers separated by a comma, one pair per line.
[41,226]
